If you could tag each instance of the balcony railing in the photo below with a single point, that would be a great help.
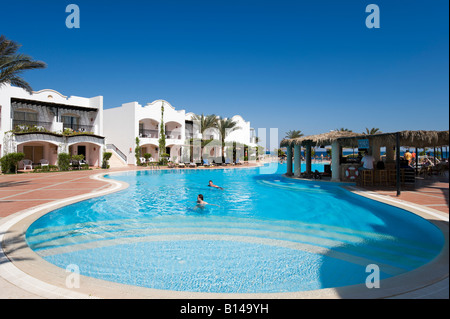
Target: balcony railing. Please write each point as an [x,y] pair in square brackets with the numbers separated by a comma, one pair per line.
[119,152]
[78,127]
[31,126]
[176,135]
[148,133]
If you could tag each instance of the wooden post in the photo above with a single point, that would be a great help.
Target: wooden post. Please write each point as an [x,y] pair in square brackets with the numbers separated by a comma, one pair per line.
[434,156]
[417,162]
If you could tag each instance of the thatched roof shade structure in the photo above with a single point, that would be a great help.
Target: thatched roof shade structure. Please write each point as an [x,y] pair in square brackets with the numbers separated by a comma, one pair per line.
[420,139]
[319,139]
[345,139]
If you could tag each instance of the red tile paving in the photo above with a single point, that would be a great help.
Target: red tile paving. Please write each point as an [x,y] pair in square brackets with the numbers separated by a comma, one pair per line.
[26,190]
[432,192]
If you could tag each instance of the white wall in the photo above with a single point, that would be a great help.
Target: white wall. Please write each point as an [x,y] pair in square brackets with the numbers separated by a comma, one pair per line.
[241,135]
[121,128]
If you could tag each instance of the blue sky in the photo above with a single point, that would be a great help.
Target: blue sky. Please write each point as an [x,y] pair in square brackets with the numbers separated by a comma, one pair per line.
[305,65]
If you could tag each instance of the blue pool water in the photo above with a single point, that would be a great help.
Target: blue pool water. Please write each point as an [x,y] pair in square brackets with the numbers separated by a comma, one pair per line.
[267,233]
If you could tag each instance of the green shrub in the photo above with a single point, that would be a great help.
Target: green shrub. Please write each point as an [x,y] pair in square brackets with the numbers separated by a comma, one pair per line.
[106,157]
[137,152]
[10,162]
[5,163]
[63,161]
[164,159]
[147,157]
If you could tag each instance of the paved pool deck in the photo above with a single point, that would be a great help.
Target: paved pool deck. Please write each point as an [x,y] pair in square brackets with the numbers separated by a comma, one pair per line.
[29,191]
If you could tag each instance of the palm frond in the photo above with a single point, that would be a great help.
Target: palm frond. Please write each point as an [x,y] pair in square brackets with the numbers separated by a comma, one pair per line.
[12,64]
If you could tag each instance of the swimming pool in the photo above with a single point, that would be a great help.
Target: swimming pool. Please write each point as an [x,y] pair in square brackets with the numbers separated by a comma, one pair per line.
[267,234]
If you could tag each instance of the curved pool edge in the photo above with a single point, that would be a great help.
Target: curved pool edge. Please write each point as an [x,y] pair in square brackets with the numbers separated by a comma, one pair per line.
[30,272]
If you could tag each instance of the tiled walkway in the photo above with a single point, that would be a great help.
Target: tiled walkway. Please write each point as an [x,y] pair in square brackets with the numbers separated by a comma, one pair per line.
[22,191]
[432,193]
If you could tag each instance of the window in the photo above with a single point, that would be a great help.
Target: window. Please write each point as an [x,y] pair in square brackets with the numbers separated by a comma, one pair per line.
[26,116]
[70,122]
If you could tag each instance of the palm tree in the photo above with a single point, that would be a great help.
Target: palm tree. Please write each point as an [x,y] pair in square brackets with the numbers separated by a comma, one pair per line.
[343,130]
[293,134]
[205,122]
[225,126]
[12,64]
[373,130]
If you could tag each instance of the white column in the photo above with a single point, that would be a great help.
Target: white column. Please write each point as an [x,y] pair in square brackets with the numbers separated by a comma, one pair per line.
[335,169]
[289,160]
[297,158]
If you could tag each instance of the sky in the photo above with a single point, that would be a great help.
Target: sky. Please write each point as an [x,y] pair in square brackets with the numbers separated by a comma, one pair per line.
[312,66]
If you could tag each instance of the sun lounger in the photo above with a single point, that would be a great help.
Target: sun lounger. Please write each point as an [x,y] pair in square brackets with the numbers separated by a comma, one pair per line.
[206,163]
[170,165]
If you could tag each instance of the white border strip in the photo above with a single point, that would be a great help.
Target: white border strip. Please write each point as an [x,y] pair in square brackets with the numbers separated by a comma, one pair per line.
[403,203]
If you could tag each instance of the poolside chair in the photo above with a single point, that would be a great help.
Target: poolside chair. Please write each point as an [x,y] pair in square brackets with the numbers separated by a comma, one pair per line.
[228,162]
[238,162]
[206,163]
[27,163]
[171,165]
[142,159]
[43,162]
[191,164]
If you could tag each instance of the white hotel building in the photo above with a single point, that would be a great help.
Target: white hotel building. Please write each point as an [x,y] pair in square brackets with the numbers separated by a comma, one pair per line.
[37,125]
[130,120]
[34,125]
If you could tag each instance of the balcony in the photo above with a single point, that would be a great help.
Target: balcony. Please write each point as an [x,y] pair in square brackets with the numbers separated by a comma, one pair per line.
[31,126]
[148,133]
[78,128]
[175,135]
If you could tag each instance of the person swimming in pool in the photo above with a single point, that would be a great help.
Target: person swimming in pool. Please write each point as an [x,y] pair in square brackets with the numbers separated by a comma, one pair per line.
[201,203]
[212,185]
